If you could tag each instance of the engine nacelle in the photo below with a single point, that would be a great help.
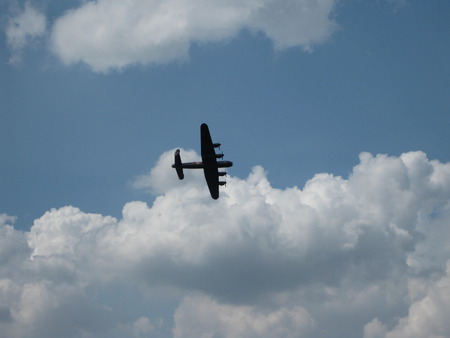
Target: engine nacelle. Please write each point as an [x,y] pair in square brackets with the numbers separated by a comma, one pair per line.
[219,155]
[222,173]
[216,145]
[222,183]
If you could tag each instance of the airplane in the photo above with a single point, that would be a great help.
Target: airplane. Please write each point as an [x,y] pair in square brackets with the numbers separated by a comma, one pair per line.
[209,164]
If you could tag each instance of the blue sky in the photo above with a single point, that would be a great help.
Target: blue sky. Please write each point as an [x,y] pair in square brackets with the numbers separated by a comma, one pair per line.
[299,94]
[378,84]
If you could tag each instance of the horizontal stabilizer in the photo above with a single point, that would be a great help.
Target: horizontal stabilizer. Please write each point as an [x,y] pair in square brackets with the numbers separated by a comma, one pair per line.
[178,165]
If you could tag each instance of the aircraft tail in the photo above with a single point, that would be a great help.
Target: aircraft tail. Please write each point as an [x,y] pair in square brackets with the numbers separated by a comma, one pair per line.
[178,165]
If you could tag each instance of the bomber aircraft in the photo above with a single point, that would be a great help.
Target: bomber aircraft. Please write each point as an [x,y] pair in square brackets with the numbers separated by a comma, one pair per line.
[209,164]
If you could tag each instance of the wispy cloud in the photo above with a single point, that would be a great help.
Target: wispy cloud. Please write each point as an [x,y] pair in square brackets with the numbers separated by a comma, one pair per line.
[340,256]
[24,28]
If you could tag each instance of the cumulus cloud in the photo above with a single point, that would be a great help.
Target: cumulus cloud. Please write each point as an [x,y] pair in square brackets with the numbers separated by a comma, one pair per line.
[112,34]
[428,314]
[341,257]
[24,28]
[200,316]
[160,180]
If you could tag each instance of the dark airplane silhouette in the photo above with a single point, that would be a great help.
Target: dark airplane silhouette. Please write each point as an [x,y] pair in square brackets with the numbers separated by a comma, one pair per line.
[209,164]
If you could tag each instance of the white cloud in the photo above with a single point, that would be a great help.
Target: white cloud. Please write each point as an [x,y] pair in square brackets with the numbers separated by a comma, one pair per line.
[428,316]
[200,316]
[374,329]
[60,232]
[339,257]
[160,180]
[143,326]
[24,28]
[13,246]
[112,34]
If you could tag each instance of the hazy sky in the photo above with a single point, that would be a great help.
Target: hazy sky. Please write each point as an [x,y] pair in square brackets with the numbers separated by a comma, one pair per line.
[336,216]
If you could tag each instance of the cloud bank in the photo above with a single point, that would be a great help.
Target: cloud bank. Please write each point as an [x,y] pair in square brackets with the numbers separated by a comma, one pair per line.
[364,256]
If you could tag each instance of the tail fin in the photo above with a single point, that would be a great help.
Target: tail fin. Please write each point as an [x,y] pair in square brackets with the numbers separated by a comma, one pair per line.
[178,166]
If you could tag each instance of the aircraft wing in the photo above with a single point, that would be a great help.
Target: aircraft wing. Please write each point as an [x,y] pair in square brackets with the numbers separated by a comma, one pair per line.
[212,179]
[209,159]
